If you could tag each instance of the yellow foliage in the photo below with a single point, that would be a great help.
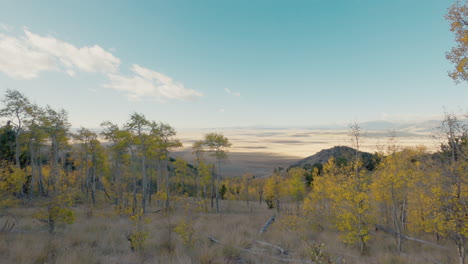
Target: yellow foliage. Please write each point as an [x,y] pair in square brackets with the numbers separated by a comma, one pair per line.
[296,187]
[293,223]
[455,25]
[461,65]
[57,210]
[161,195]
[185,230]
[273,190]
[137,235]
[12,181]
[392,183]
[340,196]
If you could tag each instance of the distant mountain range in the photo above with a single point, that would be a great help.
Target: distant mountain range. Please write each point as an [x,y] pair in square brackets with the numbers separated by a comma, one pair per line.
[420,127]
[411,127]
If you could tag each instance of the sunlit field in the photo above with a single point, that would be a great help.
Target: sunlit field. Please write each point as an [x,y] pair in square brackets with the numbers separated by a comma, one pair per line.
[259,151]
[300,142]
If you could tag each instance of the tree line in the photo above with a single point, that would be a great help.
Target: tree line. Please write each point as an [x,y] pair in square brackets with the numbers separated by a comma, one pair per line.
[409,192]
[126,164]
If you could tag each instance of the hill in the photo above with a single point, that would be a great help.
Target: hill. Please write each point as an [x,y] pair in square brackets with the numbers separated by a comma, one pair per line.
[341,154]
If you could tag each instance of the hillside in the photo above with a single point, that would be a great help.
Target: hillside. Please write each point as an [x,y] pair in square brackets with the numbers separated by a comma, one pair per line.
[339,153]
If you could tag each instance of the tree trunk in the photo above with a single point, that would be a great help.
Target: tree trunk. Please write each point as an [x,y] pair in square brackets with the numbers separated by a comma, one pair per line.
[117,183]
[204,191]
[17,147]
[86,175]
[461,248]
[159,182]
[167,182]
[403,211]
[217,185]
[198,181]
[39,174]
[33,170]
[212,186]
[134,205]
[93,180]
[143,168]
[396,221]
[150,183]
[54,174]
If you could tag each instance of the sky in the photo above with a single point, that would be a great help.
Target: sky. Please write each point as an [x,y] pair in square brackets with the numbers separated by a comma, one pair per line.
[245,63]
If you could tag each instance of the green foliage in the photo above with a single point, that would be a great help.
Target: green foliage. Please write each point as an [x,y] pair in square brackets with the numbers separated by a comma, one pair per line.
[7,142]
[56,210]
[217,143]
[205,174]
[137,235]
[181,175]
[222,191]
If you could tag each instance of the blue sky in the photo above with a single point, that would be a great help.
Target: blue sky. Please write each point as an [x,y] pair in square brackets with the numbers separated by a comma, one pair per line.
[199,64]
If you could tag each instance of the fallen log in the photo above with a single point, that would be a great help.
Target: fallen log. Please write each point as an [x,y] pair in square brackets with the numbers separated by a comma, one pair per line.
[395,233]
[214,240]
[280,249]
[267,224]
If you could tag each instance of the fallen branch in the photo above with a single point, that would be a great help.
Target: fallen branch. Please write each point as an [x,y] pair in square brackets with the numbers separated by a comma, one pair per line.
[280,249]
[214,240]
[105,192]
[267,224]
[9,223]
[435,261]
[393,232]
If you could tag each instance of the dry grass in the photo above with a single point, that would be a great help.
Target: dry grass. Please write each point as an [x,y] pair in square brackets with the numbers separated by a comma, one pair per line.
[99,238]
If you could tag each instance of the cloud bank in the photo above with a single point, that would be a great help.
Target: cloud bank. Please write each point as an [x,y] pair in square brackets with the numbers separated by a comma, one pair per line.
[145,82]
[28,55]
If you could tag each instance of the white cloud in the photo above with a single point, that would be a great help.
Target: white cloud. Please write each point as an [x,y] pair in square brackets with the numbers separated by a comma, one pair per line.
[148,83]
[20,61]
[88,59]
[24,57]
[5,27]
[221,110]
[231,92]
[27,55]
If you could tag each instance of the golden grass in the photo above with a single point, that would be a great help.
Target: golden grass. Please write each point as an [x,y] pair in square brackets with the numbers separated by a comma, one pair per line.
[99,238]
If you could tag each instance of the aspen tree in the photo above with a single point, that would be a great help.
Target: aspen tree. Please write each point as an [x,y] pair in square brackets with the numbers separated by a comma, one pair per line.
[219,145]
